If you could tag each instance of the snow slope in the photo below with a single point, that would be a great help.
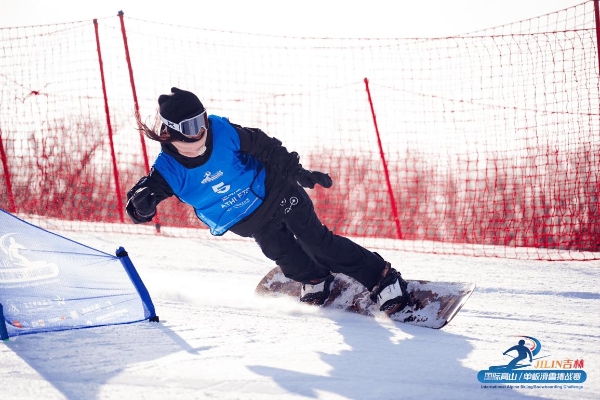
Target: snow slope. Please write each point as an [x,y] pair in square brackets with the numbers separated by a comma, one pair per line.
[217,340]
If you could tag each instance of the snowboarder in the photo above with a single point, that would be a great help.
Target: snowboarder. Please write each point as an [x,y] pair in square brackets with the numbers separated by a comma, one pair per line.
[241,180]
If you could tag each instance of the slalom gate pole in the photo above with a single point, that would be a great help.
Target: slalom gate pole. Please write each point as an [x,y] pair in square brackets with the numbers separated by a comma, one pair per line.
[138,283]
[3,331]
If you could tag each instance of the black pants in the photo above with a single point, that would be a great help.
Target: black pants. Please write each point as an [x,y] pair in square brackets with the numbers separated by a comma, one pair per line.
[305,249]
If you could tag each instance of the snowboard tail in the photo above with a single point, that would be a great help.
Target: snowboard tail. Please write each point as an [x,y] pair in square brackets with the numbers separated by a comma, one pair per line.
[434,303]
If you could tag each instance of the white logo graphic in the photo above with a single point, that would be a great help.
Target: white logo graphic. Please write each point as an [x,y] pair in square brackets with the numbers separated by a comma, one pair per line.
[221,188]
[15,267]
[210,177]
[293,202]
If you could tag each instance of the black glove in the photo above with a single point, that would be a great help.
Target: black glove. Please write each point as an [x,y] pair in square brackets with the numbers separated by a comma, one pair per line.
[308,179]
[141,206]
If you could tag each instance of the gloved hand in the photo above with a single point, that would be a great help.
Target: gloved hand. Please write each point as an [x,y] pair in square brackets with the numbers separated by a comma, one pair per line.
[141,206]
[308,179]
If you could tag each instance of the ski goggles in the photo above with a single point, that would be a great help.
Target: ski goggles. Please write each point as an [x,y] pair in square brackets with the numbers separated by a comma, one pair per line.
[189,127]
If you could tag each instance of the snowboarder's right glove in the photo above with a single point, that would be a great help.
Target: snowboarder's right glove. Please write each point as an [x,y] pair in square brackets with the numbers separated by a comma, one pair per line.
[308,179]
[141,206]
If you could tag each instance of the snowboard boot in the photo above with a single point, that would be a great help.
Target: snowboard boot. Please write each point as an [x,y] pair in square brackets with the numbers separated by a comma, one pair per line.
[316,291]
[391,292]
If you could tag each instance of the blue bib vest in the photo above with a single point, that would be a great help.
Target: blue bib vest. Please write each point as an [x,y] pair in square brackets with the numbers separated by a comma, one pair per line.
[226,189]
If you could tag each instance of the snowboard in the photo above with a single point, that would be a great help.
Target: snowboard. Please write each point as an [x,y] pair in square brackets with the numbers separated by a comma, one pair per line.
[434,303]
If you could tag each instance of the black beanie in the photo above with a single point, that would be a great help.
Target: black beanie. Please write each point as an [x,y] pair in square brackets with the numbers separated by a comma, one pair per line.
[176,107]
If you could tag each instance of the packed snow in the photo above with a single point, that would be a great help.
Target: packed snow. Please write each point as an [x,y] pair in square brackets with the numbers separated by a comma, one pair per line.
[217,340]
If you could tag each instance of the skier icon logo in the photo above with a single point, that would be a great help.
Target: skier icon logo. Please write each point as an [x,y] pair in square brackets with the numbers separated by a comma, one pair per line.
[523,352]
[526,349]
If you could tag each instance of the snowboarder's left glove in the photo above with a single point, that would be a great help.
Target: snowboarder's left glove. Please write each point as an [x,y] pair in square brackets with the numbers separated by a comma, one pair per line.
[308,179]
[141,206]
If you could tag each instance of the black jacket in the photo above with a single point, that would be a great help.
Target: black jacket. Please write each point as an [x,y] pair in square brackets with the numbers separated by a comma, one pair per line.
[281,166]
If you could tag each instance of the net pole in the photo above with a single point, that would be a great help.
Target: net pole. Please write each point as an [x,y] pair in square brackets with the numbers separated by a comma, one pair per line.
[136,105]
[133,89]
[109,126]
[597,19]
[385,167]
[11,198]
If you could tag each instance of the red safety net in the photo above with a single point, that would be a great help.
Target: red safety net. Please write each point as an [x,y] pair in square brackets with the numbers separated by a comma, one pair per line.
[484,144]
